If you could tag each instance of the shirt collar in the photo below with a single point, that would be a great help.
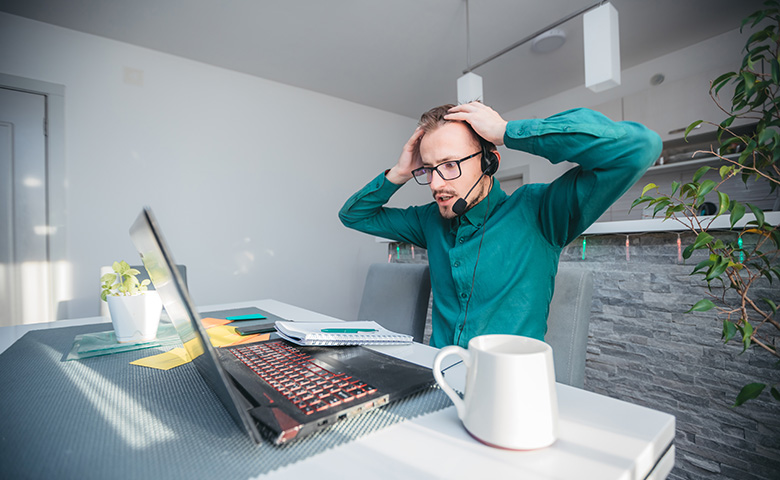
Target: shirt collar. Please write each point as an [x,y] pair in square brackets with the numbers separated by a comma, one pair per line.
[477,214]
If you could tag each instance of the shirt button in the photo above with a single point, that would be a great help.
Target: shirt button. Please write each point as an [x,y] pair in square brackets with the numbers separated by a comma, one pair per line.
[456,264]
[461,240]
[463,295]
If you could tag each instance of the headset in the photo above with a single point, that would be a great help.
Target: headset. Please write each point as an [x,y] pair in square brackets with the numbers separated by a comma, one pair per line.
[489,167]
[489,158]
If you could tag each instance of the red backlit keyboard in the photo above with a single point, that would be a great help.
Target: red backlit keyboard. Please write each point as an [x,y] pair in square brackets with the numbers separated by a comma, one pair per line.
[293,373]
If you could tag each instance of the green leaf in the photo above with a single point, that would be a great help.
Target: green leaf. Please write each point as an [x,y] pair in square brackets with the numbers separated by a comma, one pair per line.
[775,393]
[640,201]
[758,213]
[701,240]
[675,186]
[747,331]
[765,136]
[717,270]
[700,172]
[691,127]
[649,186]
[722,81]
[749,392]
[705,188]
[660,206]
[729,330]
[702,306]
[704,264]
[771,304]
[737,212]
[723,203]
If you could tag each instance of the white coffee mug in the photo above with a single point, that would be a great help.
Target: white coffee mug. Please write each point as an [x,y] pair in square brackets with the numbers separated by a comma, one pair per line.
[510,400]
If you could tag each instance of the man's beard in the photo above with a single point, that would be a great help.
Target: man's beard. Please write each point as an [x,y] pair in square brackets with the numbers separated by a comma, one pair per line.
[451,196]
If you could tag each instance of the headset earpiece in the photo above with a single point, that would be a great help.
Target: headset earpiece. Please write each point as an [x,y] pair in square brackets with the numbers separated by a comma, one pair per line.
[489,160]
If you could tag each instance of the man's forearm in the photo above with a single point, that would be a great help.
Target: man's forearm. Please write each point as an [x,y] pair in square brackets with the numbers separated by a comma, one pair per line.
[587,138]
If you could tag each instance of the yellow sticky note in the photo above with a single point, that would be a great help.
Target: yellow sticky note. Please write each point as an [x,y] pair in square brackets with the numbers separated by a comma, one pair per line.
[223,335]
[209,322]
[220,335]
[165,361]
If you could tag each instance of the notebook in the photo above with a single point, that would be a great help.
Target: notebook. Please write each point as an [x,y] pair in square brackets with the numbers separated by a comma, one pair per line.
[339,333]
[266,386]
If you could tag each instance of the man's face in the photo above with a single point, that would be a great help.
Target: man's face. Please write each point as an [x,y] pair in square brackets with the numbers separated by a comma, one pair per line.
[453,141]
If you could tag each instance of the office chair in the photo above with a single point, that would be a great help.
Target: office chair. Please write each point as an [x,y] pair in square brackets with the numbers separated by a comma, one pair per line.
[141,277]
[567,324]
[396,297]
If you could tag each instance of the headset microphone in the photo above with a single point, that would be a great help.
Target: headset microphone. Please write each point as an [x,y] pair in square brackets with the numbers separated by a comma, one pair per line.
[459,207]
[489,167]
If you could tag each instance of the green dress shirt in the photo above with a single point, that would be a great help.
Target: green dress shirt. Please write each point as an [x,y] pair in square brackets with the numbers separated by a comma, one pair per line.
[493,269]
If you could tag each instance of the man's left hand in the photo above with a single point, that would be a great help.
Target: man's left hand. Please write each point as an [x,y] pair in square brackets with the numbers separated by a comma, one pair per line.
[484,120]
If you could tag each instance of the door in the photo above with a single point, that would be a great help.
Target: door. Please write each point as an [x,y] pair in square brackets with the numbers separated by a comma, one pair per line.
[25,280]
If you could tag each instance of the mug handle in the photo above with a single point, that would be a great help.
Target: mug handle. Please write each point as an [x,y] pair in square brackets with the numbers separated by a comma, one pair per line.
[462,353]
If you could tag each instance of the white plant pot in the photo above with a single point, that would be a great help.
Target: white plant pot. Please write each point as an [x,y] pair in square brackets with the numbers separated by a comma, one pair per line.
[136,317]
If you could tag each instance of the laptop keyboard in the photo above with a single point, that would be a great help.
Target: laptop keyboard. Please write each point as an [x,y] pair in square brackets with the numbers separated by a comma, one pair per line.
[293,373]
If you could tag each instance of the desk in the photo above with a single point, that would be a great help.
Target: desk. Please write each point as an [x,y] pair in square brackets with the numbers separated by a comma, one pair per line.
[600,437]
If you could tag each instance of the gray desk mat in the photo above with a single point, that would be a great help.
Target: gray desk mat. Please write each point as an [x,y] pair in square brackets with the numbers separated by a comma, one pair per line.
[103,418]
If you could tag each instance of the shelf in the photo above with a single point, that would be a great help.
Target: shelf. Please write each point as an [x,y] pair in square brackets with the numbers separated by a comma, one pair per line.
[690,163]
[659,225]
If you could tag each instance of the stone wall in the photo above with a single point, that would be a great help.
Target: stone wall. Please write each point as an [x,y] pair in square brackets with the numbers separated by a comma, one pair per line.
[643,349]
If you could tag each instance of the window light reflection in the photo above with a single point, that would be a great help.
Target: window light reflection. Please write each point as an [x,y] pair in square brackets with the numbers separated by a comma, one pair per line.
[131,421]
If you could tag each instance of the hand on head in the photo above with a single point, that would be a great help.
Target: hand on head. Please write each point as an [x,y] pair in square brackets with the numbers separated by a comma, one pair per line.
[484,120]
[409,160]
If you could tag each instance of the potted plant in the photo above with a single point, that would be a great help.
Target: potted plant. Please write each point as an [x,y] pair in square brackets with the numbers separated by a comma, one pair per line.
[740,266]
[135,310]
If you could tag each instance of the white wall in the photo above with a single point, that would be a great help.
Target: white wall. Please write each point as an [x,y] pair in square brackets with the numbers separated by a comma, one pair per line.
[680,100]
[245,175]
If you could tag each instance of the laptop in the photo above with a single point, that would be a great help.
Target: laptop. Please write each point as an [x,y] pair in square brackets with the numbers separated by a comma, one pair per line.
[274,389]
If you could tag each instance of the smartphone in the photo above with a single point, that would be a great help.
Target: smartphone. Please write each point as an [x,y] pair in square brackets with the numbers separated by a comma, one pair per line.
[262,326]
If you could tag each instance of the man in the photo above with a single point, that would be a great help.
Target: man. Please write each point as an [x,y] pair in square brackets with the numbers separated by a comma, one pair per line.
[493,260]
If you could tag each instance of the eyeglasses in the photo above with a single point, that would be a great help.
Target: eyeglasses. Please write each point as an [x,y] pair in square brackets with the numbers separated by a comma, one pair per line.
[449,170]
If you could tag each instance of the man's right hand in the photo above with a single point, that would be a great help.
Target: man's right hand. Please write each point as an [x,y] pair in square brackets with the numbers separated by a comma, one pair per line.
[410,160]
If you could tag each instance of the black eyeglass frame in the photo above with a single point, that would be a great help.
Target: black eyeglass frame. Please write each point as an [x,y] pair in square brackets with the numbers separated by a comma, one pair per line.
[422,172]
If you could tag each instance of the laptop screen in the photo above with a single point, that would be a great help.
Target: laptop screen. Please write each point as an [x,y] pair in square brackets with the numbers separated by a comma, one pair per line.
[147,237]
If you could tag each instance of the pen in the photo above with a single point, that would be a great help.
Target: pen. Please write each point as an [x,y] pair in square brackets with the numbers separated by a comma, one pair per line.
[347,330]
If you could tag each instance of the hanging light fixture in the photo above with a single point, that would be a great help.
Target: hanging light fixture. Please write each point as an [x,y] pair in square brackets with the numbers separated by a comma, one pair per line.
[549,41]
[470,84]
[602,48]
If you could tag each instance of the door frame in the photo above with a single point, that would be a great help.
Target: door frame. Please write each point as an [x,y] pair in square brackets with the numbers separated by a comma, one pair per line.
[60,275]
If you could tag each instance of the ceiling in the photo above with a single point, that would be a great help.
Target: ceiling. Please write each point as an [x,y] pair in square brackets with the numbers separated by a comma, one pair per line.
[402,56]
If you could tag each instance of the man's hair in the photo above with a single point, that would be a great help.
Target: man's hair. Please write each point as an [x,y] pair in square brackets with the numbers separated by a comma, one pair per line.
[434,118]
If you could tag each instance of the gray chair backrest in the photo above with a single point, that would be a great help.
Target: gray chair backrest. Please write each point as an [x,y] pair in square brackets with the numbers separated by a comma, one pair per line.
[396,296]
[567,324]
